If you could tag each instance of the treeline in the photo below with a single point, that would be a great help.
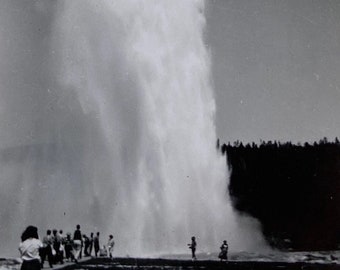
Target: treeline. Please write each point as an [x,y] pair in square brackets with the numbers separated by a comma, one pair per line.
[293,189]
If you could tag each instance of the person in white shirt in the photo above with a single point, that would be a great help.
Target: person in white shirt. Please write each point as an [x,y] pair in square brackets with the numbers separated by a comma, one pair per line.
[29,249]
[110,245]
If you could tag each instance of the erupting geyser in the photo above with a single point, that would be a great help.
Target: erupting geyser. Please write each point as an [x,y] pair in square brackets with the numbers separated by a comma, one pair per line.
[110,124]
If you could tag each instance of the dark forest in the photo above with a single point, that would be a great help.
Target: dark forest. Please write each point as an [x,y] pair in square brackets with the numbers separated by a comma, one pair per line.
[293,190]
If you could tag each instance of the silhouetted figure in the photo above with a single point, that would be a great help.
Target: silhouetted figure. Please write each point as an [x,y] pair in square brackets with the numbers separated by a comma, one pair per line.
[91,243]
[224,251]
[86,245]
[69,247]
[29,249]
[77,243]
[46,250]
[96,244]
[193,246]
[110,246]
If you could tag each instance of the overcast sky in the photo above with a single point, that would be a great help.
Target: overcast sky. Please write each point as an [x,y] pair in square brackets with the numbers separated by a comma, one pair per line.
[275,68]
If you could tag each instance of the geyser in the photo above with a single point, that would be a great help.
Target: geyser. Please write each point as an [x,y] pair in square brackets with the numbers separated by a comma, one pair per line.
[115,131]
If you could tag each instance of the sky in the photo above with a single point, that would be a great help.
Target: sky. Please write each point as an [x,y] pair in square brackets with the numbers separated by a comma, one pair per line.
[275,69]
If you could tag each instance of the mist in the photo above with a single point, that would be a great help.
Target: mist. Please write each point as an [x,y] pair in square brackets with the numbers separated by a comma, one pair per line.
[107,119]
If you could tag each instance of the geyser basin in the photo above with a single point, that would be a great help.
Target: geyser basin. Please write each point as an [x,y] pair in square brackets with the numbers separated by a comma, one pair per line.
[116,132]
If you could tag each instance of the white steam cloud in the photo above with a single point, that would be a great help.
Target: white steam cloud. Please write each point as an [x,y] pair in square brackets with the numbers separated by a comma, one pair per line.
[116,132]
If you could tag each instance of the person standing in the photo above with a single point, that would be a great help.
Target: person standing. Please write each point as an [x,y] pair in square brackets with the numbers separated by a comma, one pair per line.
[69,248]
[110,246]
[91,244]
[77,243]
[96,244]
[193,246]
[224,251]
[29,249]
[47,249]
[62,243]
[86,241]
[57,247]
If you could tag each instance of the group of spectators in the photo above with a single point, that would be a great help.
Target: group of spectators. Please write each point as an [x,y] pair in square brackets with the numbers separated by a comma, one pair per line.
[56,247]
[223,255]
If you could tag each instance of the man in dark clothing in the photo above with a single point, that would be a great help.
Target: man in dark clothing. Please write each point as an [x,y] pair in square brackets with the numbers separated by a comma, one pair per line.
[192,246]
[96,244]
[86,245]
[69,248]
[91,244]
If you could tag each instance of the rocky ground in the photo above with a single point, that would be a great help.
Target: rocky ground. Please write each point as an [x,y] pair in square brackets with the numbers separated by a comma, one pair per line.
[329,260]
[133,263]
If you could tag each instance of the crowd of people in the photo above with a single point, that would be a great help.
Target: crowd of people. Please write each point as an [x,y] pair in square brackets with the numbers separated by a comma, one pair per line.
[56,247]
